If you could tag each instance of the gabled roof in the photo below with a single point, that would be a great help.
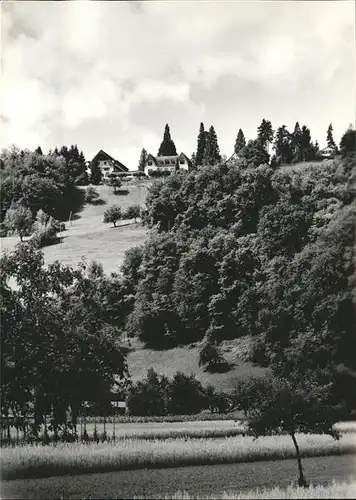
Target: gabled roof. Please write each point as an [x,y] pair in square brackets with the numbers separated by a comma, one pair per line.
[102,155]
[151,158]
[186,157]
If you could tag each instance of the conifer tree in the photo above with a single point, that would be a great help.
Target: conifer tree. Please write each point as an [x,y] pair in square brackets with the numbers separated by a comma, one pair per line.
[212,151]
[38,150]
[240,142]
[167,147]
[283,145]
[330,138]
[202,137]
[96,173]
[265,133]
[142,161]
[305,144]
[297,153]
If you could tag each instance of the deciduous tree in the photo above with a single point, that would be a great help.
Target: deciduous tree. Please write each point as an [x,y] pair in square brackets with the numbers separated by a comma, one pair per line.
[112,215]
[18,219]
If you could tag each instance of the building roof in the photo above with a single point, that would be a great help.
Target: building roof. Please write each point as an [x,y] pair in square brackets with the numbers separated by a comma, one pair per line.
[159,159]
[102,155]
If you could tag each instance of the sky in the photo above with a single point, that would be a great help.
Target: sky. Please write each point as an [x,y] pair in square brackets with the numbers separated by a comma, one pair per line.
[110,75]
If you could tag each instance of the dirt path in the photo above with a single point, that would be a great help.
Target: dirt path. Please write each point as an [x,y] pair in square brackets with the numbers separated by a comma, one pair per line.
[200,480]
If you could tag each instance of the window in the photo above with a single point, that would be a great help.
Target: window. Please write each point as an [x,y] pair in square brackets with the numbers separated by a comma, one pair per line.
[105,163]
[182,161]
[150,163]
[166,162]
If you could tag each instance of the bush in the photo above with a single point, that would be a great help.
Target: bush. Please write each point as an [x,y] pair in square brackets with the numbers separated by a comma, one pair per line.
[158,173]
[185,395]
[45,229]
[149,397]
[91,195]
[210,356]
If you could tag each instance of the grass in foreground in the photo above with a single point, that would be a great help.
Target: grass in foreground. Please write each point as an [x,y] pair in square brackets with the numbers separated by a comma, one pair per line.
[44,461]
[333,490]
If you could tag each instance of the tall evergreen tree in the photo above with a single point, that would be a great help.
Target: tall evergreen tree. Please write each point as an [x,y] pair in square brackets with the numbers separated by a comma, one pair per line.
[212,151]
[193,160]
[283,145]
[330,138]
[305,144]
[167,147]
[240,142]
[142,161]
[297,153]
[96,173]
[38,150]
[201,145]
[265,133]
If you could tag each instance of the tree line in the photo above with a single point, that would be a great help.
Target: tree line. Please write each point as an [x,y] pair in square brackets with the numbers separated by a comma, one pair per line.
[289,147]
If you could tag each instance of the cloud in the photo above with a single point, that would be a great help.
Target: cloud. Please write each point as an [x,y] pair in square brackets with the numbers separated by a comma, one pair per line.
[111,74]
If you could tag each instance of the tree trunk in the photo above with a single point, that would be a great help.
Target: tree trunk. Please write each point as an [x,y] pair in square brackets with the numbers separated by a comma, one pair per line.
[114,224]
[301,481]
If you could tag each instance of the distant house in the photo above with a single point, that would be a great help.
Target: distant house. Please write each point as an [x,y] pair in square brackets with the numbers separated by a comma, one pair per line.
[167,164]
[327,152]
[108,165]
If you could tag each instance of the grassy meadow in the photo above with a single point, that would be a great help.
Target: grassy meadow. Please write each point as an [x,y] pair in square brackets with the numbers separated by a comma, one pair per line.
[186,359]
[87,236]
[334,490]
[76,458]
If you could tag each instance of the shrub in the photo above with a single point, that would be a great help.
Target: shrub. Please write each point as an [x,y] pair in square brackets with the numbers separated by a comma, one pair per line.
[91,195]
[210,356]
[158,173]
[45,229]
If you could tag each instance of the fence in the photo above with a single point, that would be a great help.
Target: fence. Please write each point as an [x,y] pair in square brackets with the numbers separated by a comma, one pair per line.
[18,430]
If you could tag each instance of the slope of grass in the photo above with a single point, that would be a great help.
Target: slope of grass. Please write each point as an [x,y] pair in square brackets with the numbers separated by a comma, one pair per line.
[88,237]
[186,359]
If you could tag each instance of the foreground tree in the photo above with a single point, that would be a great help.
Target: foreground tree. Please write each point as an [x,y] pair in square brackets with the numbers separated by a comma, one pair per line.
[280,406]
[167,147]
[112,214]
[52,322]
[18,220]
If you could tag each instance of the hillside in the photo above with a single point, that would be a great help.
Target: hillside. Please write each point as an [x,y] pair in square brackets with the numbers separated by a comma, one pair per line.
[86,236]
[186,358]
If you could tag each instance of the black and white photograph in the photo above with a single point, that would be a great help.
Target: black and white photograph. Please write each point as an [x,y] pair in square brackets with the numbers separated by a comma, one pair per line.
[178,249]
